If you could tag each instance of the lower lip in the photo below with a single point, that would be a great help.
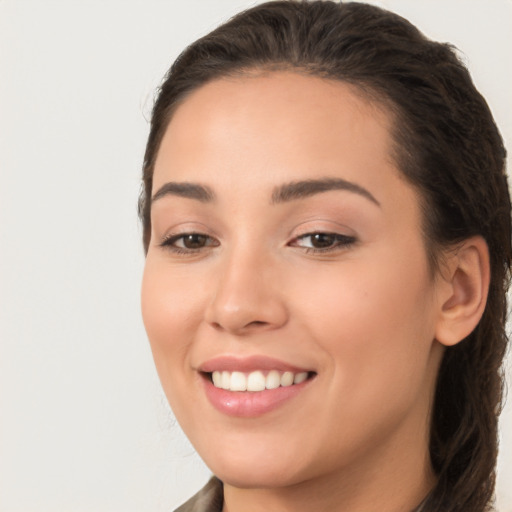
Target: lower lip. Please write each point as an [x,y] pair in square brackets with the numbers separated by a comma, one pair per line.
[248,404]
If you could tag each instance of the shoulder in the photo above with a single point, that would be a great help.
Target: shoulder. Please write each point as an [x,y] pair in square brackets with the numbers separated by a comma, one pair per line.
[208,499]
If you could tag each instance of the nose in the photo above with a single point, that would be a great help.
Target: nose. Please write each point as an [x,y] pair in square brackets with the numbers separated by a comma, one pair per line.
[247,297]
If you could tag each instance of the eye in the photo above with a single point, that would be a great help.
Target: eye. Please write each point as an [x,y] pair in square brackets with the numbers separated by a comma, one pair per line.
[192,241]
[322,242]
[188,242]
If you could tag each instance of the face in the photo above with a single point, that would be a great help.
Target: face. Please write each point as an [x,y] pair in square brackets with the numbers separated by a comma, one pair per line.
[287,295]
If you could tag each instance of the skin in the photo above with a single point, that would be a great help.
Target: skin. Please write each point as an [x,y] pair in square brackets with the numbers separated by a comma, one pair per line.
[364,316]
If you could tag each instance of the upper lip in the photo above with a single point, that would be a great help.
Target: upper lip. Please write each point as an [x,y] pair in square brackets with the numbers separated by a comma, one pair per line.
[248,364]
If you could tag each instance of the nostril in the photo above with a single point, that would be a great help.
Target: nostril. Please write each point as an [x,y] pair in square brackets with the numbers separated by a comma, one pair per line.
[254,325]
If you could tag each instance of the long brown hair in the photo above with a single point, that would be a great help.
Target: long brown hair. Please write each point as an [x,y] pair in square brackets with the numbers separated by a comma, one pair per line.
[446,145]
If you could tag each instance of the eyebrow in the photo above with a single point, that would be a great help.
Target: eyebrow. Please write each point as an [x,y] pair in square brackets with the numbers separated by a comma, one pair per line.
[281,194]
[306,188]
[201,193]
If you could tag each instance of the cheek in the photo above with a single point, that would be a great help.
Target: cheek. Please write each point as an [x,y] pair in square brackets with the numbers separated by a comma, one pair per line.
[171,307]
[373,319]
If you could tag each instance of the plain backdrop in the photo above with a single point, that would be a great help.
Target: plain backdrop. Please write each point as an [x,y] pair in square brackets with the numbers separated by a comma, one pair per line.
[84,425]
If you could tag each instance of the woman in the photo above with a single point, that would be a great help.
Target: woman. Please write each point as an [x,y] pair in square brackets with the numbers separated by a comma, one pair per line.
[327,226]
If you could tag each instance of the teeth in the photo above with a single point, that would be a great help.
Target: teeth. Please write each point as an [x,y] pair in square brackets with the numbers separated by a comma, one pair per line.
[217,379]
[300,377]
[226,378]
[256,381]
[238,382]
[287,379]
[273,380]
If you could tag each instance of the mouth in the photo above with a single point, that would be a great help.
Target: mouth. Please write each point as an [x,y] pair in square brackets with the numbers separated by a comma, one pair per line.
[253,386]
[257,380]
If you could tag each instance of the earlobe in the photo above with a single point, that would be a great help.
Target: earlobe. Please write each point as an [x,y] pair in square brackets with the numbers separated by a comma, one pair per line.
[465,288]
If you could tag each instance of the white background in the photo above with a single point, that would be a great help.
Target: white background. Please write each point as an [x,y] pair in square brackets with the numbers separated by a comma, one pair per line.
[83,424]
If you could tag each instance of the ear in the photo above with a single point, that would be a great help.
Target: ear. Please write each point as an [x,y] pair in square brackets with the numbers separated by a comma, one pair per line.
[463,291]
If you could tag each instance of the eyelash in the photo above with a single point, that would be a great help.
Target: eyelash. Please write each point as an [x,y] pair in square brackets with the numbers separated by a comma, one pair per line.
[169,243]
[339,242]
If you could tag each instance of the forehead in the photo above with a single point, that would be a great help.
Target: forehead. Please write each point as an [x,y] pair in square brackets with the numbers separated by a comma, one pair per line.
[267,126]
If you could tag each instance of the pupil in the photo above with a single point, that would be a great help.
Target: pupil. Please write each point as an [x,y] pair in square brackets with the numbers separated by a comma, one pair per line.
[194,241]
[322,240]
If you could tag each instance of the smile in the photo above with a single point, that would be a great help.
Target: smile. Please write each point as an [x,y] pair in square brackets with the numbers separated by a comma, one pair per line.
[255,381]
[252,386]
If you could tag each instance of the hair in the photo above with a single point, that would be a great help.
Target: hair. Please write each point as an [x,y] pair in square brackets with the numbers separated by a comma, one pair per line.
[446,145]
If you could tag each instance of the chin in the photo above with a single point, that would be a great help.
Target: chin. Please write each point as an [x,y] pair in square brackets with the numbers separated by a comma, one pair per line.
[263,468]
[250,477]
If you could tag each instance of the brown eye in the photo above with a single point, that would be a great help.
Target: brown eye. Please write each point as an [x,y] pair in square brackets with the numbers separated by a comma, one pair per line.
[189,242]
[194,241]
[322,240]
